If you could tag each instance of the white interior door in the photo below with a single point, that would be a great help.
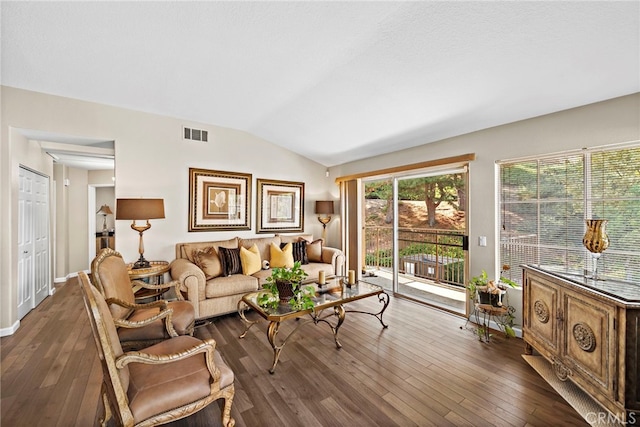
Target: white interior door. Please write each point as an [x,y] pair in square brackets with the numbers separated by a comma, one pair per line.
[33,240]
[42,277]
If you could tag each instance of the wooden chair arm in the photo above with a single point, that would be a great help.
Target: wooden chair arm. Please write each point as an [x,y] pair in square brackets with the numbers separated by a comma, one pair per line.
[164,314]
[162,304]
[206,346]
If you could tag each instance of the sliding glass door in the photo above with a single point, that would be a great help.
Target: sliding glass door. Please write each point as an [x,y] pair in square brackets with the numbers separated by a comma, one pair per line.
[415,235]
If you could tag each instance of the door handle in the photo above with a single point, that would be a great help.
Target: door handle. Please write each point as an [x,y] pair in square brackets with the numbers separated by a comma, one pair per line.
[25,252]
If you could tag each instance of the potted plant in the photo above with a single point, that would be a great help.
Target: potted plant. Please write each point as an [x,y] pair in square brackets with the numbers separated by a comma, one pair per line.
[285,286]
[485,292]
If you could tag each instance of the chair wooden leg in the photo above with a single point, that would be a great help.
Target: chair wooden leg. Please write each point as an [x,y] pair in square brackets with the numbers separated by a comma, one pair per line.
[106,409]
[225,407]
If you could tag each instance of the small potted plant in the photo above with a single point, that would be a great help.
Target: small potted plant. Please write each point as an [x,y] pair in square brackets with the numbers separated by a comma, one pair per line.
[285,286]
[483,291]
[488,291]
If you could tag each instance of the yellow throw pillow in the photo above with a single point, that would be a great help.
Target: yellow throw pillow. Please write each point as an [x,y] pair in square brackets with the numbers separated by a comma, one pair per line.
[250,260]
[281,257]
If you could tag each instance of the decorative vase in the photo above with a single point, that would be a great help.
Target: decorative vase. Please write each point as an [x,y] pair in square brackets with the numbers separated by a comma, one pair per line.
[596,241]
[285,290]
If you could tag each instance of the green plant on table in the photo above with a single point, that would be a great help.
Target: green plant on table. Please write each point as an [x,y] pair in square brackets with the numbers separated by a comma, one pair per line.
[302,295]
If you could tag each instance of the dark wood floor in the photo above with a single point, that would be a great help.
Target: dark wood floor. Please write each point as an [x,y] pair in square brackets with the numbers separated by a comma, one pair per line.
[423,370]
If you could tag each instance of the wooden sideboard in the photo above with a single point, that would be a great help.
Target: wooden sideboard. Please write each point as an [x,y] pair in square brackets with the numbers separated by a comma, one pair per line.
[590,332]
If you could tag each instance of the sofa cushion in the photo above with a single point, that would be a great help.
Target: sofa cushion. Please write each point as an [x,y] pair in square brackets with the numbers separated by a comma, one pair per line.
[314,251]
[250,260]
[281,257]
[290,238]
[237,284]
[299,251]
[313,268]
[209,262]
[230,258]
[263,243]
[186,250]
[262,276]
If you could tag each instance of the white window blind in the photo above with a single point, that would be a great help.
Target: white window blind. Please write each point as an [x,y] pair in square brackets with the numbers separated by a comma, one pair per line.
[544,203]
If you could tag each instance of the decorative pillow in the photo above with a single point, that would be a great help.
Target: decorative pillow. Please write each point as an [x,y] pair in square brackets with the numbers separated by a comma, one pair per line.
[232,264]
[314,251]
[299,250]
[209,262]
[281,257]
[250,260]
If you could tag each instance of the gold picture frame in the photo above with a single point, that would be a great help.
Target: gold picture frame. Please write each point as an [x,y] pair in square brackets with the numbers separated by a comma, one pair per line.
[280,206]
[219,200]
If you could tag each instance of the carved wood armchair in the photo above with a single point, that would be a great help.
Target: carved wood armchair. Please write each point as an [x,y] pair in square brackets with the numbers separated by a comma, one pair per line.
[139,325]
[160,383]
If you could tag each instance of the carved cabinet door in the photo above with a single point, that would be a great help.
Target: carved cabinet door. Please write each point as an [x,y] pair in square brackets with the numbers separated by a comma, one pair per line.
[541,314]
[589,342]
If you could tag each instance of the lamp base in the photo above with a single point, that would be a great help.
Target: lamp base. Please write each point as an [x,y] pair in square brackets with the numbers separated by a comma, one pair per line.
[141,263]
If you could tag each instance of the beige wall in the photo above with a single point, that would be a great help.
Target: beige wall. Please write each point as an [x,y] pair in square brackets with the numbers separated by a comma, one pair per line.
[152,160]
[603,123]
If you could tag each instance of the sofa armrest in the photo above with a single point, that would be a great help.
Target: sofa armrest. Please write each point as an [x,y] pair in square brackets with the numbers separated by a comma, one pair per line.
[192,281]
[335,257]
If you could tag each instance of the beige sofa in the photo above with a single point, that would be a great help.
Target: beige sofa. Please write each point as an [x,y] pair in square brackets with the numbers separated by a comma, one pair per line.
[219,294]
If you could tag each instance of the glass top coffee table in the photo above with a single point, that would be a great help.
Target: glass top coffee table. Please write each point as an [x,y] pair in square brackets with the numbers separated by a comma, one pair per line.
[329,302]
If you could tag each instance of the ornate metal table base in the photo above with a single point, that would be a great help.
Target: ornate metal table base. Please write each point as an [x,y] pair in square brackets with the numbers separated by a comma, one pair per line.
[384,299]
[316,316]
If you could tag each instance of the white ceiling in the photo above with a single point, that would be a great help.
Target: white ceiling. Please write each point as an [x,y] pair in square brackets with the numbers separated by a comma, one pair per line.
[333,81]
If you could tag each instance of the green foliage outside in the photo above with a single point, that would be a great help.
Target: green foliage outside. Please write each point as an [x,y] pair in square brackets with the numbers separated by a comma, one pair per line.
[432,190]
[546,199]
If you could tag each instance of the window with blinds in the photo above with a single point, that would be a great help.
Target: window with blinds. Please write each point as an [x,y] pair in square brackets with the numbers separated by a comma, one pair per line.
[544,203]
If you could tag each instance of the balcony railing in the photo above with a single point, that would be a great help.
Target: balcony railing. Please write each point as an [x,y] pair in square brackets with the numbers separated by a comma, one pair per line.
[432,254]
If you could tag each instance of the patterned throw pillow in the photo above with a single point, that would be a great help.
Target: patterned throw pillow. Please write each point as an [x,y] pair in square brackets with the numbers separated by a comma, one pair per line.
[281,257]
[314,251]
[232,263]
[209,262]
[299,251]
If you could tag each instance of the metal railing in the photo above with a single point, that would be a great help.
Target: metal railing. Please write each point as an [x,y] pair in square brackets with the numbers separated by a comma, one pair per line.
[432,254]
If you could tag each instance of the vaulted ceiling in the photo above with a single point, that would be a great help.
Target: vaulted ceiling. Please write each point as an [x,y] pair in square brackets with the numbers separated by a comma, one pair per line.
[333,81]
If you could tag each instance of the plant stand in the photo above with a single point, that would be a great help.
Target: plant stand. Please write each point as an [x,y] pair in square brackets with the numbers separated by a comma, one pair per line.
[484,313]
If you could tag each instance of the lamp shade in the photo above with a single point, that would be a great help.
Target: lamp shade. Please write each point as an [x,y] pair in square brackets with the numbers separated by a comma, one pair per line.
[139,208]
[324,207]
[104,210]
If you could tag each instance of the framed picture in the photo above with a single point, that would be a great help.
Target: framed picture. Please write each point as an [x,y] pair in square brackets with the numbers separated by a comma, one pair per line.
[280,206]
[219,200]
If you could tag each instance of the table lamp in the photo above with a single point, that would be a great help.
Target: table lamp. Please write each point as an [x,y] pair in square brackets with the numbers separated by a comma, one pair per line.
[141,209]
[324,207]
[104,211]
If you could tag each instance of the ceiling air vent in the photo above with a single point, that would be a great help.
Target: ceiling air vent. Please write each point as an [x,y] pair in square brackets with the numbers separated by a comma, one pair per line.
[195,134]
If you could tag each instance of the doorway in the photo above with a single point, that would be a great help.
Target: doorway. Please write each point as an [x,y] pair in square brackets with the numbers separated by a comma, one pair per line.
[415,236]
[34,274]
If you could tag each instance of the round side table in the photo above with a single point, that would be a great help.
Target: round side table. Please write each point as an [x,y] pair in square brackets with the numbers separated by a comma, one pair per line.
[153,274]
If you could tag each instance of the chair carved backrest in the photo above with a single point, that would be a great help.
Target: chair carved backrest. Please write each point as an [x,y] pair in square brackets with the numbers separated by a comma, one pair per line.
[115,381]
[111,277]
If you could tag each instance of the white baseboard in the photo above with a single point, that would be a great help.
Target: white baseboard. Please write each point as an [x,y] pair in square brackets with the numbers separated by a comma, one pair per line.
[4,332]
[68,276]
